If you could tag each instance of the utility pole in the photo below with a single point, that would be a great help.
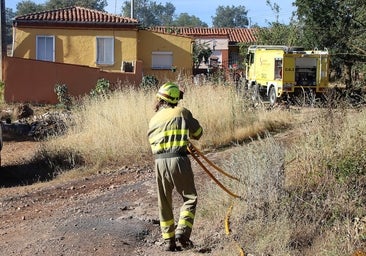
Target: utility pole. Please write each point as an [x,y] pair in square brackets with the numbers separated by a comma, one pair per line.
[132,8]
[3,37]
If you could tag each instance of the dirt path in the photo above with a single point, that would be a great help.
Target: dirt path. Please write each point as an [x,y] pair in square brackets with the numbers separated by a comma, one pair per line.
[105,214]
[111,213]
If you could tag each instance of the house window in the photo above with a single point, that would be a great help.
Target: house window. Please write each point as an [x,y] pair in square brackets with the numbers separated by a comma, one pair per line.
[162,60]
[105,51]
[127,66]
[45,48]
[235,59]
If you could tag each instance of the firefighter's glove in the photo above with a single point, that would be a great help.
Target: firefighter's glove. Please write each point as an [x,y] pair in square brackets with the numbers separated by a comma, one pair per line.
[191,149]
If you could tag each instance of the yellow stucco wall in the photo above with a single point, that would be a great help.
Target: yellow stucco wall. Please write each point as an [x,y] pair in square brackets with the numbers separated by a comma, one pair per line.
[78,46]
[180,46]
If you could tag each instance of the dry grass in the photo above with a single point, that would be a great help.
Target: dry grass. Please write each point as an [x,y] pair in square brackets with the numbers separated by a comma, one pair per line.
[112,131]
[107,131]
[259,222]
[301,199]
[297,199]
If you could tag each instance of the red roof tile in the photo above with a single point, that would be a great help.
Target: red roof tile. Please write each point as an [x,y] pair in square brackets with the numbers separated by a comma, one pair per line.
[235,35]
[74,15]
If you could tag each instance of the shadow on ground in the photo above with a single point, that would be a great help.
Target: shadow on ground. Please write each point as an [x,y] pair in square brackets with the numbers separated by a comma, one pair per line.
[25,173]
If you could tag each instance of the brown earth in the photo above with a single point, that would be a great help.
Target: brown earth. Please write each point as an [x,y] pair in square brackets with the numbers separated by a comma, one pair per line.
[112,213]
[109,213]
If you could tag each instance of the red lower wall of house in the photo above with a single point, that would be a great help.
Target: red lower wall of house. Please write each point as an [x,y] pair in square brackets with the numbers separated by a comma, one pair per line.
[32,81]
[225,59]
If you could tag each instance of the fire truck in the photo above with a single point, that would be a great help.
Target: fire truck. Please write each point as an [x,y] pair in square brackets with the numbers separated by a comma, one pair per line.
[274,72]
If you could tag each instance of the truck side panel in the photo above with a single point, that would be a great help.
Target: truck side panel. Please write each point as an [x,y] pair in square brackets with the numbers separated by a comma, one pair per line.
[263,68]
[288,69]
[322,76]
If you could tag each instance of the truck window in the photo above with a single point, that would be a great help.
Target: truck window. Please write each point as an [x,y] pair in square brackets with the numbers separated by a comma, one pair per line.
[278,68]
[250,58]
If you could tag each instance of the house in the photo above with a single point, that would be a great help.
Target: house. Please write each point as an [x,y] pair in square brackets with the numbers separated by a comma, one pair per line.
[77,46]
[165,56]
[224,42]
[77,35]
[94,42]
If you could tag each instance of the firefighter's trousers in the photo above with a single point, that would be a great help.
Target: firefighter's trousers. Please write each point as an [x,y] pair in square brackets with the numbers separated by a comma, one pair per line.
[175,172]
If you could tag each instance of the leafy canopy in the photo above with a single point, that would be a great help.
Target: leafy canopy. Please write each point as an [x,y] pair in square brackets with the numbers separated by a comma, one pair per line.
[337,25]
[276,33]
[231,17]
[186,20]
[150,13]
[91,4]
[201,52]
[28,6]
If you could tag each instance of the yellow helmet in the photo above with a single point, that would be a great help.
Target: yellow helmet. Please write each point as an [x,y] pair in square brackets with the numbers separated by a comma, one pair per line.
[169,92]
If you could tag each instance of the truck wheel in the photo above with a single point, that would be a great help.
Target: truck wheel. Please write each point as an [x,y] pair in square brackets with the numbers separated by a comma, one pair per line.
[272,96]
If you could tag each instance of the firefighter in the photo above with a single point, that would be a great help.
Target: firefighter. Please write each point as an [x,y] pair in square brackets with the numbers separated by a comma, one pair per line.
[169,131]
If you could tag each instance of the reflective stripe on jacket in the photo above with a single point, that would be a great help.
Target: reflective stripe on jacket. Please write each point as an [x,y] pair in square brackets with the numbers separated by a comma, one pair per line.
[170,129]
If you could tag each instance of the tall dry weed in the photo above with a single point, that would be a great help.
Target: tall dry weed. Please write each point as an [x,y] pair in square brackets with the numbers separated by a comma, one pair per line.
[325,177]
[112,129]
[305,198]
[259,222]
[109,130]
[300,198]
[228,116]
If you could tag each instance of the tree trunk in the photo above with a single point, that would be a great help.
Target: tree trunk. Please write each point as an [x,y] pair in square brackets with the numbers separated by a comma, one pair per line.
[347,74]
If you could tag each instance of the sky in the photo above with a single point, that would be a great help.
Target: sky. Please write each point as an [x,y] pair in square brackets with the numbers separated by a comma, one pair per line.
[258,11]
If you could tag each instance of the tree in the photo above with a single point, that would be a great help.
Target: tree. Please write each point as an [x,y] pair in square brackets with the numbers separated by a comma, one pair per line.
[27,6]
[91,4]
[230,17]
[277,33]
[201,52]
[9,15]
[185,20]
[338,25]
[150,13]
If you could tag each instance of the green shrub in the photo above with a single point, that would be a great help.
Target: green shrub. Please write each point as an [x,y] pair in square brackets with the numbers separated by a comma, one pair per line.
[102,88]
[63,95]
[149,81]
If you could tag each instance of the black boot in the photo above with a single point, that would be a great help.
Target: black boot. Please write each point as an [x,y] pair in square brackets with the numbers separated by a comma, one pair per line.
[184,241]
[170,245]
